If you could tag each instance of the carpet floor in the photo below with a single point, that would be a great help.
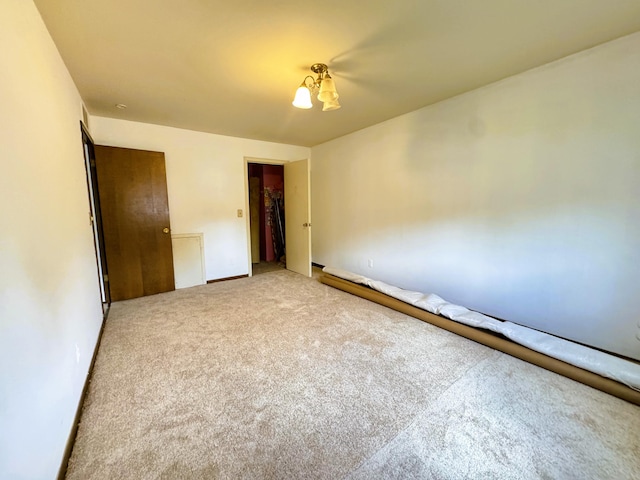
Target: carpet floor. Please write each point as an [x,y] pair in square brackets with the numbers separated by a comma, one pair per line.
[278,376]
[266,267]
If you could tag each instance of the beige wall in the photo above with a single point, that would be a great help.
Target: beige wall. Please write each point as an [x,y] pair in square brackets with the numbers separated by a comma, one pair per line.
[206,182]
[520,199]
[50,311]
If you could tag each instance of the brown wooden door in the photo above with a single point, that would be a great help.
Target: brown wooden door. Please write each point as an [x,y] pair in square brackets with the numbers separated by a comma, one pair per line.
[132,187]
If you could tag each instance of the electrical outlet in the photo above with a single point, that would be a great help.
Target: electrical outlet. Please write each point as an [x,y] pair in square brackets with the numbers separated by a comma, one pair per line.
[370,263]
[239,213]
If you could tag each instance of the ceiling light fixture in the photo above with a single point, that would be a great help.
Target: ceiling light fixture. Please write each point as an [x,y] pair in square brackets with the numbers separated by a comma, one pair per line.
[323,85]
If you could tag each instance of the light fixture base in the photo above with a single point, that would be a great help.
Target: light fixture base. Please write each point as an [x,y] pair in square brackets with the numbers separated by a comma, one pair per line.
[319,68]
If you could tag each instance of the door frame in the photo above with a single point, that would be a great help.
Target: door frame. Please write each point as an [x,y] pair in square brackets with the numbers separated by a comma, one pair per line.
[95,217]
[263,161]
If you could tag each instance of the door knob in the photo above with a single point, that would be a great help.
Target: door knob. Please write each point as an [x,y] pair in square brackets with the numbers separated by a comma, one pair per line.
[165,230]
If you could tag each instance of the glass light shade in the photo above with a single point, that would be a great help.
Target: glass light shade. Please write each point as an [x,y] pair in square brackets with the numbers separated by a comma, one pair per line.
[333,105]
[302,98]
[327,90]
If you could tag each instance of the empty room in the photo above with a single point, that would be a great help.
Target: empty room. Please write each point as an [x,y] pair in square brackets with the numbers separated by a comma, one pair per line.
[344,240]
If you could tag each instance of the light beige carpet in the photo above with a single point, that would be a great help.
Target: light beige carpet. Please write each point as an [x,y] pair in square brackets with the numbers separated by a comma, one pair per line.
[279,376]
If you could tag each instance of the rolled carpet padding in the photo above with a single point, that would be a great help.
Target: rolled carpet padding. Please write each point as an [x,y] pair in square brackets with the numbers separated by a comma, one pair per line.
[572,360]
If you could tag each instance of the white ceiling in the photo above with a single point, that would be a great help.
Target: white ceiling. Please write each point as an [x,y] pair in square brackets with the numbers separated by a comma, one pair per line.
[232,67]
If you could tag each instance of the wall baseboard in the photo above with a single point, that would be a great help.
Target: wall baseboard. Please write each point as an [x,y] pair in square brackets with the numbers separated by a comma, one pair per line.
[62,472]
[489,339]
[227,278]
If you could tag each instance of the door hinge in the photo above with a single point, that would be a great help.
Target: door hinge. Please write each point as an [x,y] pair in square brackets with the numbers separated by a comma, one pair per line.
[92,162]
[106,278]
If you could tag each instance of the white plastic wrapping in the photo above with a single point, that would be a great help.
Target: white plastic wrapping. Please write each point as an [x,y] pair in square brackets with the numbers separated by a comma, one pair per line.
[595,361]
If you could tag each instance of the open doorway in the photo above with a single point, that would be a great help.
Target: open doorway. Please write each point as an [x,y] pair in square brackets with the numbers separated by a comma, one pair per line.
[266,217]
[297,223]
